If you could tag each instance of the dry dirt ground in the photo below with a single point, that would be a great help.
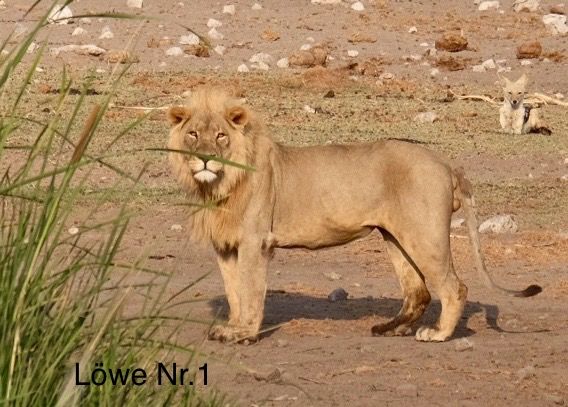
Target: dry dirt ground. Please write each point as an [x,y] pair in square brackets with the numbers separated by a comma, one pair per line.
[317,352]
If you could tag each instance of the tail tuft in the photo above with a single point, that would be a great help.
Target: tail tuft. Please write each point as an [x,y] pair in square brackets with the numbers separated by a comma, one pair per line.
[542,130]
[530,291]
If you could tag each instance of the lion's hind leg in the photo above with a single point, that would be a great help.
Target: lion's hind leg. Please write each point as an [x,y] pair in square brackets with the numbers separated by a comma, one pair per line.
[416,295]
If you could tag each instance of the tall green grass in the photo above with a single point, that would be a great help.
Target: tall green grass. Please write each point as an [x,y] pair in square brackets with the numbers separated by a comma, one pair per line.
[62,294]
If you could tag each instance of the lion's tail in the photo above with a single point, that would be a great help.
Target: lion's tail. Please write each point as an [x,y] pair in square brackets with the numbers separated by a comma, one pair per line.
[465,195]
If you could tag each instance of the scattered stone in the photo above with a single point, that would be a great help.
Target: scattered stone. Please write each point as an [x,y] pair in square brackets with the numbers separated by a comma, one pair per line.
[73,230]
[256,6]
[489,5]
[387,76]
[554,398]
[215,35]
[2,4]
[309,109]
[358,6]
[283,63]
[31,48]
[412,30]
[339,294]
[134,3]
[456,223]
[489,64]
[333,276]
[558,9]
[242,68]
[261,65]
[526,373]
[526,5]
[229,9]
[176,228]
[91,50]
[407,390]
[189,39]
[463,344]
[426,117]
[528,50]
[352,53]
[212,23]
[555,23]
[199,50]
[478,68]
[270,35]
[329,94]
[78,31]
[499,224]
[120,56]
[564,178]
[106,33]
[174,52]
[526,62]
[59,15]
[451,43]
[261,57]
[358,37]
[219,49]
[434,72]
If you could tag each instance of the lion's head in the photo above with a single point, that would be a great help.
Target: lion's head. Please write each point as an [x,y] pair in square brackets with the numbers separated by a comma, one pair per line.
[212,126]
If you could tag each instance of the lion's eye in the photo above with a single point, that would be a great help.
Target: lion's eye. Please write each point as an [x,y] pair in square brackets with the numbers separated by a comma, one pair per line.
[193,134]
[221,136]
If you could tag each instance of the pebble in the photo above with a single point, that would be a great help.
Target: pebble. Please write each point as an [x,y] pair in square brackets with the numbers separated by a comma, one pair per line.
[106,33]
[58,13]
[2,4]
[31,48]
[243,68]
[489,5]
[434,72]
[189,39]
[358,6]
[256,6]
[78,31]
[413,30]
[261,57]
[564,178]
[229,9]
[526,5]
[283,63]
[489,64]
[306,47]
[526,373]
[456,223]
[176,228]
[339,294]
[426,117]
[219,49]
[463,344]
[174,52]
[215,35]
[499,224]
[309,109]
[407,390]
[526,62]
[555,23]
[333,276]
[386,76]
[88,49]
[73,230]
[352,53]
[134,3]
[212,23]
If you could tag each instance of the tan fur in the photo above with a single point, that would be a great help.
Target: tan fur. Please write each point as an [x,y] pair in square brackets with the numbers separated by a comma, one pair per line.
[512,113]
[316,197]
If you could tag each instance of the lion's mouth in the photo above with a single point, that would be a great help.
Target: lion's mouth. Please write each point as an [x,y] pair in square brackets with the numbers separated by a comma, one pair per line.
[205,176]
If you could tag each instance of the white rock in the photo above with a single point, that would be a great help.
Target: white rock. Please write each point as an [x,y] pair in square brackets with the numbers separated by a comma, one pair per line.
[58,13]
[358,6]
[189,39]
[2,4]
[31,48]
[456,223]
[174,52]
[219,49]
[283,63]
[426,117]
[564,178]
[134,3]
[525,62]
[352,53]
[89,49]
[339,294]
[489,5]
[504,69]
[559,96]
[243,68]
[489,64]
[478,68]
[215,35]
[555,23]
[256,6]
[434,72]
[78,31]
[306,47]
[526,5]
[566,161]
[106,33]
[309,109]
[326,1]
[412,30]
[39,69]
[424,44]
[499,224]
[229,9]
[261,57]
[212,23]
[176,228]
[100,70]
[386,76]
[463,344]
[73,230]
[261,65]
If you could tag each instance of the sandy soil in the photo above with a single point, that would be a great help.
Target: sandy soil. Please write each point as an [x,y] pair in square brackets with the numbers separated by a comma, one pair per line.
[317,352]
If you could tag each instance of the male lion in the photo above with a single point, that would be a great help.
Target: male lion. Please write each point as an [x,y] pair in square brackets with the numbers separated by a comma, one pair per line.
[315,197]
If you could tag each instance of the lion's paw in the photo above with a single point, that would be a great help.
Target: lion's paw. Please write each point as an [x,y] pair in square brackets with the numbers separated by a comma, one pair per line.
[429,334]
[232,334]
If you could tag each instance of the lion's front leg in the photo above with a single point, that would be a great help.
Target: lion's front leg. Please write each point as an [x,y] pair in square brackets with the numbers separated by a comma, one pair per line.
[246,292]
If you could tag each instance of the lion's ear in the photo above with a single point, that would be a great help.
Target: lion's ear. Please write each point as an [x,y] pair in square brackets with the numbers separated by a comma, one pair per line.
[238,115]
[177,114]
